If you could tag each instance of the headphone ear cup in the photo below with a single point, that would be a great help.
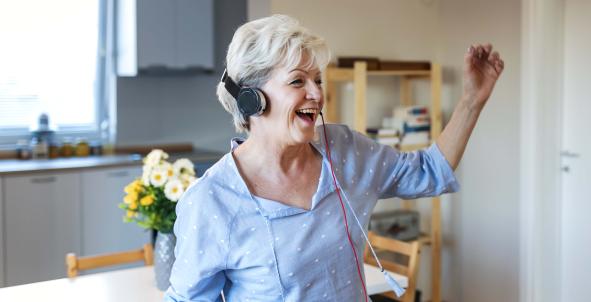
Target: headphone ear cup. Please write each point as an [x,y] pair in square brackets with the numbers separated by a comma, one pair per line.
[262,102]
[251,101]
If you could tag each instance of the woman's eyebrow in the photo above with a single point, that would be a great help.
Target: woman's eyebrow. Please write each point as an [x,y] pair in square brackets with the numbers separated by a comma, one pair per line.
[304,71]
[298,69]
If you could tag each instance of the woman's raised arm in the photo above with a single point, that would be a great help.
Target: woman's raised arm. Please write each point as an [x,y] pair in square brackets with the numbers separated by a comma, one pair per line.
[482,69]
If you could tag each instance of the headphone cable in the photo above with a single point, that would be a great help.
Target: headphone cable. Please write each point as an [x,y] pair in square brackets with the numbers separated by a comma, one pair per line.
[343,208]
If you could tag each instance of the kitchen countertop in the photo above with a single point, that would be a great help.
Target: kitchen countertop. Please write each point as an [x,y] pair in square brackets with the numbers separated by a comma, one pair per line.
[15,166]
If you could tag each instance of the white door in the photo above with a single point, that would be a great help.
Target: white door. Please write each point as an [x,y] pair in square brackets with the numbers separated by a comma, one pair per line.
[576,154]
[41,225]
[103,229]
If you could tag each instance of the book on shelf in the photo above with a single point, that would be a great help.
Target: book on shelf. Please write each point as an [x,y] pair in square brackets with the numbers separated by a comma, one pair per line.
[384,136]
[415,138]
[388,141]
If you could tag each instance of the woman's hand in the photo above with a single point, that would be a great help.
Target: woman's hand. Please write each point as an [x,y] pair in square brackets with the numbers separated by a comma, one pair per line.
[482,68]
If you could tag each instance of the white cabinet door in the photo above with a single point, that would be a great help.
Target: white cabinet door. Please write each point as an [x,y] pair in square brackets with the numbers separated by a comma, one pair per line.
[1,233]
[156,36]
[164,35]
[194,26]
[42,219]
[103,229]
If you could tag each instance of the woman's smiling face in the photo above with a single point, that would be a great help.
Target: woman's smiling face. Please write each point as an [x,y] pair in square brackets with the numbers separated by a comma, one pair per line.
[294,100]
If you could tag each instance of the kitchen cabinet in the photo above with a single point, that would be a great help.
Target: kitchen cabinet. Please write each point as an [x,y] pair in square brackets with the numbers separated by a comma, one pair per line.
[41,224]
[1,232]
[50,208]
[156,36]
[103,228]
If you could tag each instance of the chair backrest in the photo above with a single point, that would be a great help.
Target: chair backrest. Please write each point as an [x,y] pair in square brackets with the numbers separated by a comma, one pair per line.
[409,269]
[75,264]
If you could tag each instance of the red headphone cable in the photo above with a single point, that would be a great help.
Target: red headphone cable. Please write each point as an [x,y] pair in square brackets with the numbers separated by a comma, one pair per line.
[343,208]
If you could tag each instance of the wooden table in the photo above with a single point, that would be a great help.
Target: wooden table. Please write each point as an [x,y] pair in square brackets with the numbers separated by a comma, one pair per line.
[129,285]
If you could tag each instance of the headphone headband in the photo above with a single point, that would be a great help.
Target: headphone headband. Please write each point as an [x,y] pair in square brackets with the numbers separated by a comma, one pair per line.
[230,85]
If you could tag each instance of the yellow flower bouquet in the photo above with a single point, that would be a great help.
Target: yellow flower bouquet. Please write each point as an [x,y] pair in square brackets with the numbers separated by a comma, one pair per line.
[151,199]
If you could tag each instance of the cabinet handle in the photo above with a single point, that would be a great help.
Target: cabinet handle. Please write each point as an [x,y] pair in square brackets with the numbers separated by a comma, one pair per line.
[43,180]
[118,174]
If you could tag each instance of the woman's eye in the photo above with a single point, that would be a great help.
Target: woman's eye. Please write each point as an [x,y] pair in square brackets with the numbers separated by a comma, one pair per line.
[318,82]
[296,82]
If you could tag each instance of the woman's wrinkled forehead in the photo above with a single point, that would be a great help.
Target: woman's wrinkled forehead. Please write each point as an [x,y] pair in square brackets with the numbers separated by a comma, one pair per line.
[305,61]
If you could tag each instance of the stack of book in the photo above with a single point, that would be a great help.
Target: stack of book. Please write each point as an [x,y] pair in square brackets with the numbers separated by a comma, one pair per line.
[416,125]
[390,137]
[385,136]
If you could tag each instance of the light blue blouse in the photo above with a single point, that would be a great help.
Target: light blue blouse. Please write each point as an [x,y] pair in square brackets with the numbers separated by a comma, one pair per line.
[257,249]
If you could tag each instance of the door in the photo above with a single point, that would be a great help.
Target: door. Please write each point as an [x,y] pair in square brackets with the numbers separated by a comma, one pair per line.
[42,219]
[156,37]
[1,234]
[576,154]
[103,228]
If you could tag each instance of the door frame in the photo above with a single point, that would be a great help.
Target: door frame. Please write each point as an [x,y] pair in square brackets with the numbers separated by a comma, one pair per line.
[541,133]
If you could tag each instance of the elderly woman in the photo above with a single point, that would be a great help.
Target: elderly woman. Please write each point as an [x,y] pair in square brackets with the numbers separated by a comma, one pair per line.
[267,222]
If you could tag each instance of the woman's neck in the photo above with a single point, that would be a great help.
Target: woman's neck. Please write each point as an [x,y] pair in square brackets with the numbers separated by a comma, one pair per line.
[276,157]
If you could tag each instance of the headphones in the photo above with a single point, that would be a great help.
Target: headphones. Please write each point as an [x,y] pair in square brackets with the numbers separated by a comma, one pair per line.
[251,101]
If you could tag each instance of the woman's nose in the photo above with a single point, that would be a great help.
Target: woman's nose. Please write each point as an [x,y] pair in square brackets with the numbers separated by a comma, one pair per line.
[314,92]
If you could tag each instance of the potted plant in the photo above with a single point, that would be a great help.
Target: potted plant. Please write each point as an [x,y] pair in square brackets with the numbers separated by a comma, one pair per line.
[150,201]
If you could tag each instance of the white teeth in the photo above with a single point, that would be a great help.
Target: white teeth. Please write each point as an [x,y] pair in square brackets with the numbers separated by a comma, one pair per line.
[311,111]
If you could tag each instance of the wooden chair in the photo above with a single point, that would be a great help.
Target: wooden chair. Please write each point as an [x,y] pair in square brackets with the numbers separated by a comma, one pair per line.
[395,248]
[75,264]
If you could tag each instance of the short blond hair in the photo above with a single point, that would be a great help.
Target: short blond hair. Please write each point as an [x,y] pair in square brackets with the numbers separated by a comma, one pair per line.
[260,46]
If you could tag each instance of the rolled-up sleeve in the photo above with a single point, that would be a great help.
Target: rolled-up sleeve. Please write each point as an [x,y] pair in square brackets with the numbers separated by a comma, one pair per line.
[390,173]
[421,173]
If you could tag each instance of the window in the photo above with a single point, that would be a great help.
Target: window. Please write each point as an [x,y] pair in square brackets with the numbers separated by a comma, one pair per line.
[52,60]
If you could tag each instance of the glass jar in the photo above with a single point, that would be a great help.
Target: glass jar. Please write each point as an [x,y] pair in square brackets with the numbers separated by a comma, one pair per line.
[54,150]
[39,148]
[82,147]
[23,150]
[96,148]
[67,149]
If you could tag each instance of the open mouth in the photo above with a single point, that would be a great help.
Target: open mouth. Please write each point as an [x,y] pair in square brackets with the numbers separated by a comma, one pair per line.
[308,114]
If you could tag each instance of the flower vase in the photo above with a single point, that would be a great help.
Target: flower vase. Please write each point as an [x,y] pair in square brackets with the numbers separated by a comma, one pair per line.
[163,259]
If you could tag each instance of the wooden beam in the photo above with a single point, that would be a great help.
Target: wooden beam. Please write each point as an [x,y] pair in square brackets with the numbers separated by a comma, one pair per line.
[436,115]
[332,103]
[405,91]
[436,249]
[360,87]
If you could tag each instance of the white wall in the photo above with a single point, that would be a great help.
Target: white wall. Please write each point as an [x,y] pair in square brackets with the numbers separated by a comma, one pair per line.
[480,224]
[486,211]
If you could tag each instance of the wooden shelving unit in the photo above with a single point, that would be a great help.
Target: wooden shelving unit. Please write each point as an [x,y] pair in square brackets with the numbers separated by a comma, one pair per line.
[359,76]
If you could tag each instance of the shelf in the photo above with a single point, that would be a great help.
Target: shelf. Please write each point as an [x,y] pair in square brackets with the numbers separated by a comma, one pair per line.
[424,73]
[359,76]
[407,148]
[424,239]
[347,74]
